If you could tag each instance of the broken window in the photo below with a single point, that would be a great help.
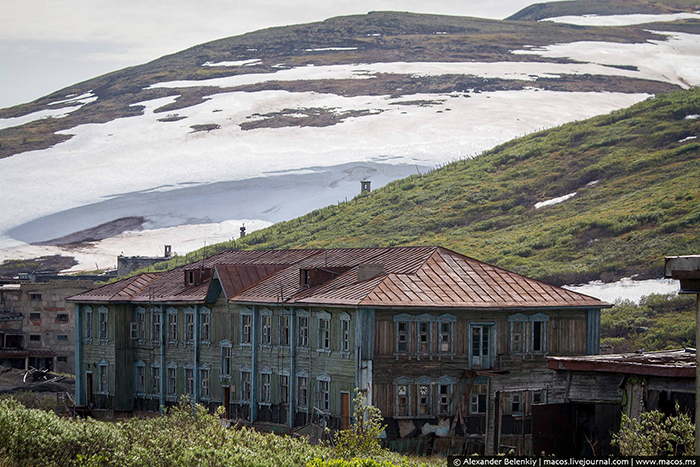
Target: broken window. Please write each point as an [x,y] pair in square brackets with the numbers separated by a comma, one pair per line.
[189,327]
[324,338]
[62,317]
[189,381]
[102,381]
[155,325]
[345,335]
[246,327]
[35,297]
[539,396]
[245,386]
[205,318]
[35,316]
[172,326]
[423,337]
[284,388]
[481,345]
[155,379]
[284,331]
[517,334]
[303,331]
[302,391]
[538,338]
[402,400]
[204,383]
[35,338]
[172,381]
[402,336]
[478,399]
[88,323]
[141,323]
[266,338]
[324,395]
[226,361]
[265,387]
[423,399]
[444,393]
[516,403]
[103,323]
[140,379]
[446,337]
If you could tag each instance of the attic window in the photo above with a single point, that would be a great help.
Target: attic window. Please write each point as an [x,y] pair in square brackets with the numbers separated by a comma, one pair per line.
[304,278]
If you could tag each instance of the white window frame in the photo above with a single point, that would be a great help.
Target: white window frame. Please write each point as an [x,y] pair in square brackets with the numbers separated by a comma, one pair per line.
[345,320]
[284,337]
[226,358]
[204,325]
[265,327]
[324,331]
[303,331]
[479,394]
[283,395]
[156,325]
[488,329]
[204,382]
[189,325]
[246,328]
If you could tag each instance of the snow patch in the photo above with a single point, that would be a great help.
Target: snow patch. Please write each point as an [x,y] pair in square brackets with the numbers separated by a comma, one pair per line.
[553,201]
[85,98]
[38,115]
[625,289]
[689,138]
[692,117]
[250,62]
[326,49]
[621,20]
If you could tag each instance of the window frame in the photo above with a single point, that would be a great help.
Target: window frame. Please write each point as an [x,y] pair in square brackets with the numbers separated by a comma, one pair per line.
[406,320]
[542,320]
[88,323]
[173,330]
[324,393]
[246,328]
[303,329]
[246,385]
[345,322]
[204,382]
[103,377]
[155,378]
[265,386]
[103,324]
[450,321]
[265,327]
[171,390]
[324,320]
[406,384]
[284,335]
[204,325]
[479,395]
[140,317]
[189,325]
[487,329]
[140,378]
[302,376]
[156,325]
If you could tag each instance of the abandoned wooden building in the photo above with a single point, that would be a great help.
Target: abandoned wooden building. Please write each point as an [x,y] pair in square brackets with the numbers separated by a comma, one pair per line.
[429,336]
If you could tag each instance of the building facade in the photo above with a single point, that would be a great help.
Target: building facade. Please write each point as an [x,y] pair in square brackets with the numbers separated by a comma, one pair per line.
[433,338]
[36,326]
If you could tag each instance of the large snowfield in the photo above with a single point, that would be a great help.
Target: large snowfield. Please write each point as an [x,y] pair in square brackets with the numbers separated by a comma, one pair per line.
[196,187]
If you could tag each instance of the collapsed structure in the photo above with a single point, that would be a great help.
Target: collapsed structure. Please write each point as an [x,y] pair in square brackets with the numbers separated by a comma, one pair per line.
[439,342]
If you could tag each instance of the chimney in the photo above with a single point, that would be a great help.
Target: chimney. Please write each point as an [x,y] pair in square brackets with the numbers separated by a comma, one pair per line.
[243,231]
[167,251]
[365,188]
[369,271]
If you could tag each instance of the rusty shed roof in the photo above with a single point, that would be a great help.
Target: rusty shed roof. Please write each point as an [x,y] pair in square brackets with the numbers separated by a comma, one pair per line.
[418,277]
[670,363]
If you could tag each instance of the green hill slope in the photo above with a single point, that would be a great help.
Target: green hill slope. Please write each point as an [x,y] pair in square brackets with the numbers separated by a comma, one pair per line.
[540,11]
[635,172]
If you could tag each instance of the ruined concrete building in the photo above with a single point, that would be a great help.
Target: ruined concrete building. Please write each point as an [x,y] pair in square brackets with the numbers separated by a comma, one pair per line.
[440,342]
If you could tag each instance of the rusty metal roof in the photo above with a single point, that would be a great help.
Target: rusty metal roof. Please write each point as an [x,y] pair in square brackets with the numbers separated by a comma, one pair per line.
[670,363]
[420,277]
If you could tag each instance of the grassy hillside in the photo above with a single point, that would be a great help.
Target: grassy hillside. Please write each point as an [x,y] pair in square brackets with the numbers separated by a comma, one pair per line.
[540,11]
[635,173]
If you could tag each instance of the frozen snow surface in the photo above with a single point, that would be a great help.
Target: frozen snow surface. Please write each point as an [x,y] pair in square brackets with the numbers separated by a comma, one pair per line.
[626,289]
[621,20]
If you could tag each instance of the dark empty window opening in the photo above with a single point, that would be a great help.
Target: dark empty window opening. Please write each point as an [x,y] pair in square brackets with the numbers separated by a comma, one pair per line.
[62,359]
[35,296]
[62,317]
[62,337]
[35,337]
[34,316]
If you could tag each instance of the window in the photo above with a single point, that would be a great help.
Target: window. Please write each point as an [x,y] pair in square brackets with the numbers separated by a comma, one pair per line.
[172,381]
[35,338]
[265,388]
[62,359]
[155,379]
[324,331]
[517,332]
[539,396]
[245,386]
[284,331]
[103,378]
[62,337]
[103,323]
[478,399]
[324,394]
[481,345]
[246,329]
[35,316]
[141,323]
[266,337]
[204,383]
[444,393]
[35,297]
[302,391]
[155,325]
[303,331]
[172,324]
[423,399]
[345,334]
[446,333]
[140,378]
[205,318]
[402,336]
[88,323]
[516,406]
[62,317]
[189,326]
[423,337]
[402,400]
[189,381]
[226,360]
[538,337]
[284,388]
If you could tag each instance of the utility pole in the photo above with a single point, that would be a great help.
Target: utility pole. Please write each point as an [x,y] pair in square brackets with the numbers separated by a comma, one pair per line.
[687,270]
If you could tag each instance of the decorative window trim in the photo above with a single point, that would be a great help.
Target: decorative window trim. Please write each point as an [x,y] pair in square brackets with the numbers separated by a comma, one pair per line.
[324,316]
[155,389]
[345,325]
[267,371]
[407,320]
[246,340]
[284,315]
[324,378]
[103,311]
[204,339]
[245,369]
[156,337]
[265,312]
[140,364]
[522,320]
[302,375]
[492,333]
[170,395]
[544,320]
[189,313]
[88,323]
[204,367]
[172,313]
[424,381]
[103,364]
[451,320]
[429,320]
[298,337]
[407,382]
